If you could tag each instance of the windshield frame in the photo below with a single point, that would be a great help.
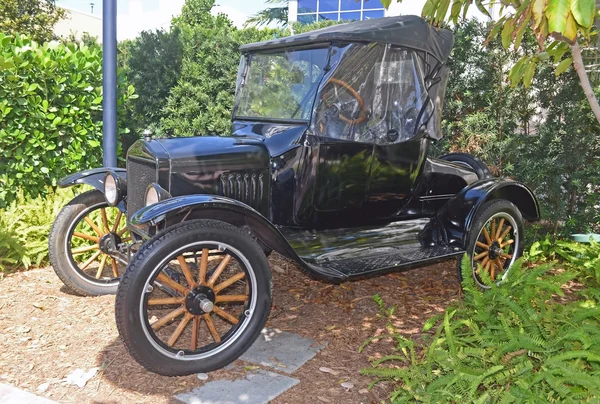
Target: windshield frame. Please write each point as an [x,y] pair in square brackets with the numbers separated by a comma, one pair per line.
[243,75]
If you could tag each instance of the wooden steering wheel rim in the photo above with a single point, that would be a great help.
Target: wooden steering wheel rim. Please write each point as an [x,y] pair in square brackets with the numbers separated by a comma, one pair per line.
[356,95]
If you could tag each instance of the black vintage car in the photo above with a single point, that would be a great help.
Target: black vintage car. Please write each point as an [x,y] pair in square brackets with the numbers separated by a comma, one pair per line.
[327,164]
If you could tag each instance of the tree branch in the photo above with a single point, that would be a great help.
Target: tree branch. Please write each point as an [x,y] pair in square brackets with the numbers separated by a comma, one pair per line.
[584,80]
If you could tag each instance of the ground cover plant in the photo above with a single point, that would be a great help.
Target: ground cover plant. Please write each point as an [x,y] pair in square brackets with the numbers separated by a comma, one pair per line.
[518,342]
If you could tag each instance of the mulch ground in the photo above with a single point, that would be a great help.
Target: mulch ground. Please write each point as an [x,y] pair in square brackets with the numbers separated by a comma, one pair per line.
[46,333]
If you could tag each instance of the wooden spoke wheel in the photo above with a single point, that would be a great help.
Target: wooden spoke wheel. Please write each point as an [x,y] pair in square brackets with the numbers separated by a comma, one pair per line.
[194,298]
[83,239]
[497,242]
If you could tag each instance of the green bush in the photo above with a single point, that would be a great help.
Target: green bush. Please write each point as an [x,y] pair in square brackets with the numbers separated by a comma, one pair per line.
[513,343]
[24,228]
[50,113]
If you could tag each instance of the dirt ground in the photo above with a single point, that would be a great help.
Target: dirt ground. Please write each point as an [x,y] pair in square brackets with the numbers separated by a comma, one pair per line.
[46,333]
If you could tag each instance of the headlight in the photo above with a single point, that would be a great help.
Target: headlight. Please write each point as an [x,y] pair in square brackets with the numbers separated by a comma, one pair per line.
[154,194]
[111,189]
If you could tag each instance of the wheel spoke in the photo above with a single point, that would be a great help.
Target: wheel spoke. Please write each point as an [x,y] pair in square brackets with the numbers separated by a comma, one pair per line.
[480,256]
[101,267]
[482,245]
[504,234]
[229,282]
[90,260]
[115,268]
[487,236]
[104,220]
[493,273]
[487,266]
[82,250]
[117,221]
[500,226]
[124,240]
[203,266]
[195,329]
[483,263]
[225,315]
[93,226]
[165,280]
[507,256]
[122,231]
[177,333]
[493,228]
[212,328]
[509,242]
[186,272]
[231,298]
[165,300]
[169,317]
[86,237]
[219,270]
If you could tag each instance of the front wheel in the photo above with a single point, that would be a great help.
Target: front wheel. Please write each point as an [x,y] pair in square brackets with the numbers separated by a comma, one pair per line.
[495,241]
[194,298]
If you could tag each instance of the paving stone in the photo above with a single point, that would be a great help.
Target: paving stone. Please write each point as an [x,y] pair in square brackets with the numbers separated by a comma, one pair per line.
[13,395]
[257,387]
[283,351]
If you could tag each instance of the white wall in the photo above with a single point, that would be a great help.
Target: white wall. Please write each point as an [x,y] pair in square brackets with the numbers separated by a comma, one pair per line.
[78,22]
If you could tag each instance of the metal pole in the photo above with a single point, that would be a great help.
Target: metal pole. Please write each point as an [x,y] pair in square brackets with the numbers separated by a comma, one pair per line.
[109,68]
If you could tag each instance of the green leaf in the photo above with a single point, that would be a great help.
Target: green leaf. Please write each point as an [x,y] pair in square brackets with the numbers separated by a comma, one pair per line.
[537,9]
[563,66]
[507,31]
[557,13]
[482,8]
[583,12]
[528,74]
[571,28]
[386,3]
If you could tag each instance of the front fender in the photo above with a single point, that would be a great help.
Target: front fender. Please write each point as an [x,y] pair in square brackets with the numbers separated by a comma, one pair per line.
[453,221]
[93,177]
[189,207]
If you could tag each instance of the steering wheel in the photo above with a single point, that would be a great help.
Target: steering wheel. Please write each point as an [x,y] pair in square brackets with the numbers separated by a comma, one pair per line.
[361,103]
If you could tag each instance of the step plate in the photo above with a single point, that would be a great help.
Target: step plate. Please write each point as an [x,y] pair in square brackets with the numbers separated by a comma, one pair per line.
[389,260]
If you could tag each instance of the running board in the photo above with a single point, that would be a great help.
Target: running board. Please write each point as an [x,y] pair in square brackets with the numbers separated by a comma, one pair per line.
[353,252]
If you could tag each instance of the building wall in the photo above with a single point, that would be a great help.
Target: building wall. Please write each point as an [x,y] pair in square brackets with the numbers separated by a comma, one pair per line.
[77,22]
[407,7]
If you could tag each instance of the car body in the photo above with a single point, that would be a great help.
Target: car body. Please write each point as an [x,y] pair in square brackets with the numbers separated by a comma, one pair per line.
[328,159]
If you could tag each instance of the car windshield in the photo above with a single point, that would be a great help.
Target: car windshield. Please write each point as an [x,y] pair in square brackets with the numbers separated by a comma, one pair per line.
[280,85]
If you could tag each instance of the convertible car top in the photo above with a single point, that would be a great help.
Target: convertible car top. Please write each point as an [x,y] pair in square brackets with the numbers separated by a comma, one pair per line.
[408,31]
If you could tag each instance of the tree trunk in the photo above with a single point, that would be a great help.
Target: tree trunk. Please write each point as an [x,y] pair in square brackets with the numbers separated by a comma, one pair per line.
[584,80]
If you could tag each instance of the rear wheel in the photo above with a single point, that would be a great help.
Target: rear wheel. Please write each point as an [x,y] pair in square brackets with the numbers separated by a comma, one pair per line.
[194,298]
[469,161]
[80,229]
[495,241]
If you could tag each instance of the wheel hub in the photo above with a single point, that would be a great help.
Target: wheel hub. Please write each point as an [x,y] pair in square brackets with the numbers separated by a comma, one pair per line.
[200,300]
[495,251]
[108,243]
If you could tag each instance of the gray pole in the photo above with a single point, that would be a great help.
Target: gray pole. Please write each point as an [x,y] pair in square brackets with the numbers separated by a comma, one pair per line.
[109,69]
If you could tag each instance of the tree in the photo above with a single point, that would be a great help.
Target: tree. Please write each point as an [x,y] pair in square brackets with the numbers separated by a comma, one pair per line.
[34,18]
[278,14]
[563,23]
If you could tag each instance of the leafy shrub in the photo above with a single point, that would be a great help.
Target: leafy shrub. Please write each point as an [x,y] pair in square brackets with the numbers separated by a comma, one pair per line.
[512,344]
[24,228]
[50,113]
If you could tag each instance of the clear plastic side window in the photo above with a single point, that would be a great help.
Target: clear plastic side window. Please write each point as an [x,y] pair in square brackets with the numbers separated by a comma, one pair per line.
[375,95]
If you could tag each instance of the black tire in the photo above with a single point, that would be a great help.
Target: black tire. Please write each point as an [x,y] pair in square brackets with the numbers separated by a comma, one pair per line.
[60,242]
[470,161]
[490,213]
[139,286]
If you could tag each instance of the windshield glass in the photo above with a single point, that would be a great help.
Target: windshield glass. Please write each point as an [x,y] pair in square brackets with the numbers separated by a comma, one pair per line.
[280,85]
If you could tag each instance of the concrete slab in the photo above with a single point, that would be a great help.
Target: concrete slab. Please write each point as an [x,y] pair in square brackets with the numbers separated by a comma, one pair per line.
[257,387]
[283,351]
[13,395]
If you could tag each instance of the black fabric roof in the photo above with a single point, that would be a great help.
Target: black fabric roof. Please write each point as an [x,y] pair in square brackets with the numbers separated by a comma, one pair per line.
[409,31]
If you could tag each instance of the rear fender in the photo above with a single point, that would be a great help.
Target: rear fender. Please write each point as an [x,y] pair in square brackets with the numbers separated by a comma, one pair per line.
[453,221]
[148,221]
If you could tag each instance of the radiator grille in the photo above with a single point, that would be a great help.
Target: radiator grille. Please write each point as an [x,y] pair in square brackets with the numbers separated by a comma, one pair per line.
[139,176]
[247,188]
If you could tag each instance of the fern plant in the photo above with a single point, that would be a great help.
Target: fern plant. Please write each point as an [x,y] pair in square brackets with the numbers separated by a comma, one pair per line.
[24,228]
[512,343]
